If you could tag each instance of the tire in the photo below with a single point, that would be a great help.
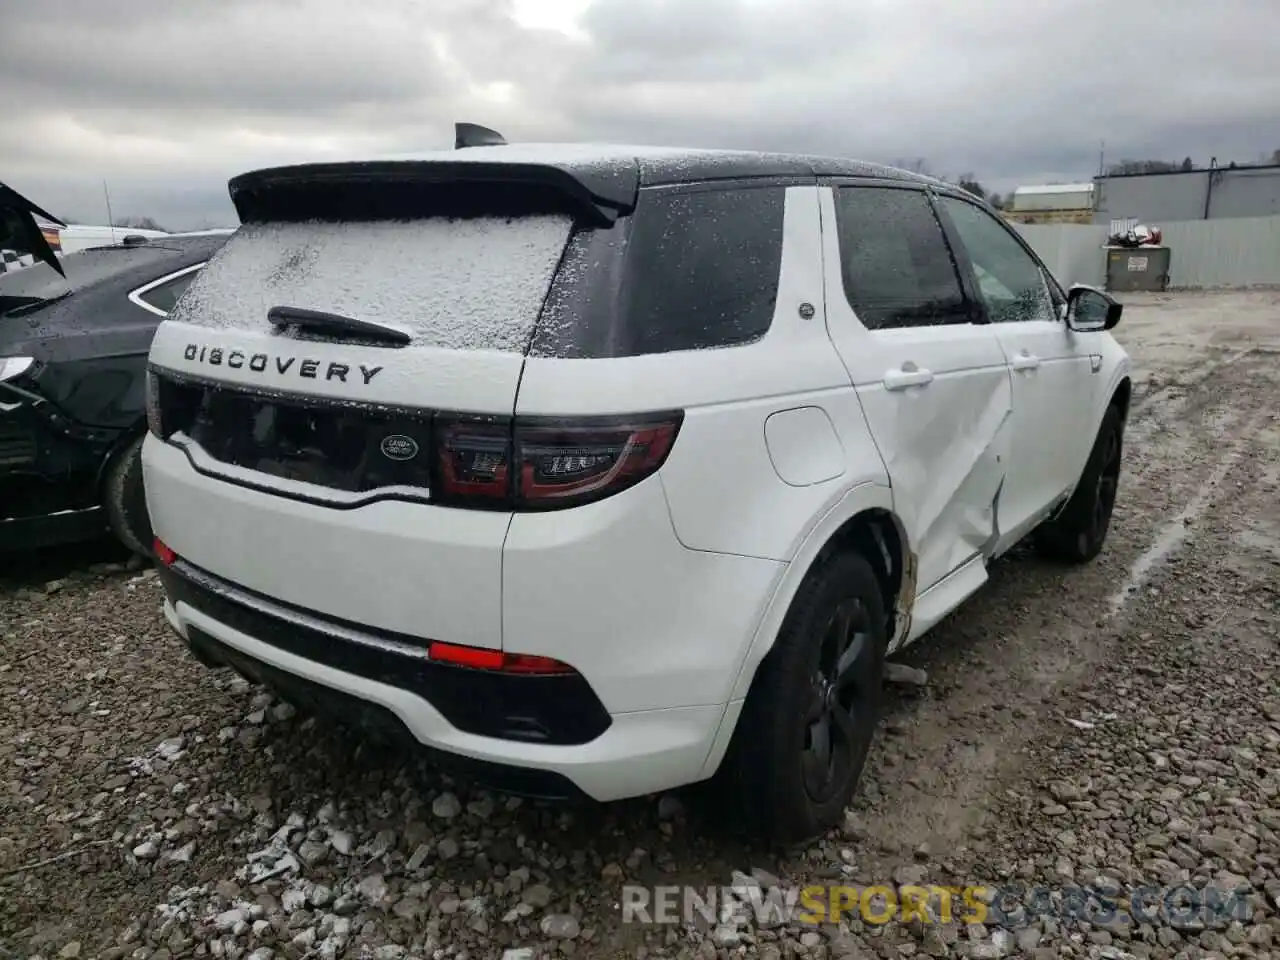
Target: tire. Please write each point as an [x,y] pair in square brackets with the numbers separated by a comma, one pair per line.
[1078,533]
[776,768]
[125,501]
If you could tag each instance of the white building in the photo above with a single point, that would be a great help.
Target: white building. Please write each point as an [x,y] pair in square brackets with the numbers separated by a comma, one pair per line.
[1053,196]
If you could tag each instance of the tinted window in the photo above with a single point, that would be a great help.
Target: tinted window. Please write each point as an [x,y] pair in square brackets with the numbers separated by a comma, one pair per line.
[688,270]
[898,270]
[1010,282]
[166,295]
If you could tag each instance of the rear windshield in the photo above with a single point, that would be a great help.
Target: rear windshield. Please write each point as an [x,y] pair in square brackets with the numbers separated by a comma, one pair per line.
[465,284]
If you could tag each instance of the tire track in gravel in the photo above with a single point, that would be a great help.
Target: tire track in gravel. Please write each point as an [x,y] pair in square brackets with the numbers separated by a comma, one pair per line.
[1170,394]
[999,665]
[928,783]
[1178,779]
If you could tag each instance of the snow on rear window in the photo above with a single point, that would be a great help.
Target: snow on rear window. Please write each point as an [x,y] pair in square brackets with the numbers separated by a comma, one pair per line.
[470,284]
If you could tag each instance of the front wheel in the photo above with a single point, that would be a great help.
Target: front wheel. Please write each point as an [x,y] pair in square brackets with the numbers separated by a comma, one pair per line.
[125,501]
[809,721]
[1077,535]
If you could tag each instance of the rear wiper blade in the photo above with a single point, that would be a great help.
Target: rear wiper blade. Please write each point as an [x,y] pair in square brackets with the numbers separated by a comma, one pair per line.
[331,323]
[31,305]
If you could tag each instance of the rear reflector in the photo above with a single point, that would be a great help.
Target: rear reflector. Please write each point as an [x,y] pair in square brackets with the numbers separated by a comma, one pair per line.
[164,554]
[478,659]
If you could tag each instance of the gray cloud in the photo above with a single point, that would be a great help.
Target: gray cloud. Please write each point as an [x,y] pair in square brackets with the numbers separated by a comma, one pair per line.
[166,100]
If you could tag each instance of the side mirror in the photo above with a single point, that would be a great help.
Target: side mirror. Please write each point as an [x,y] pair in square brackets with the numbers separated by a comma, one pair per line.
[1090,309]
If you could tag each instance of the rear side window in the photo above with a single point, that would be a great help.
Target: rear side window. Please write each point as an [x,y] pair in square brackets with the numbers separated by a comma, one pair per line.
[897,267]
[688,270]
[466,284]
[166,295]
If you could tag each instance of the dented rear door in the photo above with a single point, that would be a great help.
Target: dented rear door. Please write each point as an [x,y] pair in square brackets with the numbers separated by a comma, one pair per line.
[933,384]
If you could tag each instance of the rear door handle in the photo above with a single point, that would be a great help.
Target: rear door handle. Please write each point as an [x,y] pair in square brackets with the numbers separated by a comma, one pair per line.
[1025,361]
[909,375]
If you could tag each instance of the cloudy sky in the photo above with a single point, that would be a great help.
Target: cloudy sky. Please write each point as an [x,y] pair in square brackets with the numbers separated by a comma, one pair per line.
[167,99]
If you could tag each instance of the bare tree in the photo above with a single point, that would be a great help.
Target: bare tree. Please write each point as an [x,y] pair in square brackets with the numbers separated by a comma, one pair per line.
[139,223]
[1141,166]
[970,182]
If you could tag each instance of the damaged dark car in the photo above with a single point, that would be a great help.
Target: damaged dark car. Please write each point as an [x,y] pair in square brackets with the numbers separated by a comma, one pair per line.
[74,337]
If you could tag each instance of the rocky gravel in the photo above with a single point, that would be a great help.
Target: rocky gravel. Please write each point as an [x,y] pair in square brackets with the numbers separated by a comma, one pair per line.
[1098,749]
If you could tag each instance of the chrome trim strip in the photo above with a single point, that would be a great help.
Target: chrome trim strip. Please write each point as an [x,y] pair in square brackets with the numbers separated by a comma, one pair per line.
[203,462]
[83,512]
[135,296]
[293,617]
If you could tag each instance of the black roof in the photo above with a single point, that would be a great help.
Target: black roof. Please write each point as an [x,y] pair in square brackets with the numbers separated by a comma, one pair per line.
[603,176]
[726,165]
[117,266]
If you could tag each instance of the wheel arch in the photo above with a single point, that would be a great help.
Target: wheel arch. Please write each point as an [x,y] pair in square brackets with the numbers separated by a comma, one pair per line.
[125,509]
[1121,397]
[125,437]
[865,521]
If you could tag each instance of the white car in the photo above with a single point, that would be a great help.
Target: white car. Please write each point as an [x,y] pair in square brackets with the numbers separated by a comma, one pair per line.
[603,470]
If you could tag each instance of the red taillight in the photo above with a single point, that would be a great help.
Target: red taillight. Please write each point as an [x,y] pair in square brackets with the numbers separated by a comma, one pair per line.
[164,554]
[478,659]
[558,462]
[568,463]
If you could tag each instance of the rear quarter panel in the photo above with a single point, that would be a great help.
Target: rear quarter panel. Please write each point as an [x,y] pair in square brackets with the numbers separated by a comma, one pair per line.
[724,489]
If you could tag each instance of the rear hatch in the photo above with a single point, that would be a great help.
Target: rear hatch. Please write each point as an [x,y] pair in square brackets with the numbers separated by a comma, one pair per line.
[340,380]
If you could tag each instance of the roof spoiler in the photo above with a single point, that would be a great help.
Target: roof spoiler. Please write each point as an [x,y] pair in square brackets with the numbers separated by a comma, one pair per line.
[19,230]
[474,135]
[396,189]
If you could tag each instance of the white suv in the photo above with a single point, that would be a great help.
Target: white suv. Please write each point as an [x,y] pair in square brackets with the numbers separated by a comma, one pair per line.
[604,469]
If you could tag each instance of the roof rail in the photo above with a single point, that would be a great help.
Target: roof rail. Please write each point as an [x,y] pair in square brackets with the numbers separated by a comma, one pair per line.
[474,135]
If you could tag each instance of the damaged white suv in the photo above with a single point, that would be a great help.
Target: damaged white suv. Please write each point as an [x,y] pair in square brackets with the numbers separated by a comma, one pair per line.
[601,470]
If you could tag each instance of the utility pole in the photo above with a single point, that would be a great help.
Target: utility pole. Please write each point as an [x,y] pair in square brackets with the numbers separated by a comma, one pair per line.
[110,221]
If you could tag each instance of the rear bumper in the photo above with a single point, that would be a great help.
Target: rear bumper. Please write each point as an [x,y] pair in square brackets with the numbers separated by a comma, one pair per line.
[657,631]
[379,721]
[48,480]
[549,709]
[639,753]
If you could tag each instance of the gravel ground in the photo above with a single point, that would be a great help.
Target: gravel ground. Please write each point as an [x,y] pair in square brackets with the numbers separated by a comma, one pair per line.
[1113,728]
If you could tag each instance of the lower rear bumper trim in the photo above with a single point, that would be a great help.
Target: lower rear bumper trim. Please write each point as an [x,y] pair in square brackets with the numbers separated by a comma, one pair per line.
[554,710]
[382,724]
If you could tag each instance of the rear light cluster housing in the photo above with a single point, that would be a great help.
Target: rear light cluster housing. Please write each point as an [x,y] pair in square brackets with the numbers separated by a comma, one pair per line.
[520,463]
[540,463]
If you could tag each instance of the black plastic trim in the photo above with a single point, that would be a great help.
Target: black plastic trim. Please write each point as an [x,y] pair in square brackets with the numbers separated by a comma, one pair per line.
[598,192]
[291,396]
[511,428]
[559,709]
[379,495]
[68,526]
[382,724]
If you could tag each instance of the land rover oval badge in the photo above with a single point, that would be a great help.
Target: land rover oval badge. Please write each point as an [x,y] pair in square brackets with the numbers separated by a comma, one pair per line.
[398,447]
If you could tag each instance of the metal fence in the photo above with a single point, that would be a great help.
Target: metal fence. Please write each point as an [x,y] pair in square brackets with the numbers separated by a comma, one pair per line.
[1229,253]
